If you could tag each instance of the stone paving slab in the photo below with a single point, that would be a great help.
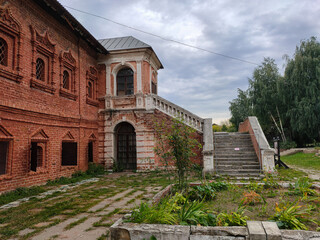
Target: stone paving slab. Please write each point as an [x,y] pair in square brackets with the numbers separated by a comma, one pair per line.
[107,201]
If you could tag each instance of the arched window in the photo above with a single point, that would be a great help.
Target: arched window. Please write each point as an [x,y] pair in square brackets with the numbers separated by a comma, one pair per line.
[40,68]
[125,82]
[3,52]
[66,80]
[90,90]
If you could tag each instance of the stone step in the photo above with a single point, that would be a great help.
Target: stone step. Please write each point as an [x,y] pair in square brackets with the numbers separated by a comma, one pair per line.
[232,144]
[239,171]
[241,149]
[235,158]
[227,167]
[237,162]
[234,154]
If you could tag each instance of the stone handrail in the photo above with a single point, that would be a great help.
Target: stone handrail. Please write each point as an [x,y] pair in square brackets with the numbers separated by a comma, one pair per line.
[155,102]
[264,152]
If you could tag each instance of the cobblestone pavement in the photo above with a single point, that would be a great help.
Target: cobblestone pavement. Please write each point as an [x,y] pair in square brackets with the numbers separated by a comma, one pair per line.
[119,194]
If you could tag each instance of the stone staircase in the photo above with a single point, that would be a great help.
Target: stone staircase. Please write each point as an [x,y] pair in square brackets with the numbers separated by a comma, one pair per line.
[234,155]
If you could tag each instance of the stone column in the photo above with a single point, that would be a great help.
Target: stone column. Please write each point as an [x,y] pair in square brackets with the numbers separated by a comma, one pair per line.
[139,77]
[208,166]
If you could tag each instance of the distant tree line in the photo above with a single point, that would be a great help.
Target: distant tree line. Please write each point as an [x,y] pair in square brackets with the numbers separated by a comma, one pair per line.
[287,106]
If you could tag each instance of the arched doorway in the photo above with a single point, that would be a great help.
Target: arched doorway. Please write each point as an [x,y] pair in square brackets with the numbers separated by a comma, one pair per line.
[126,146]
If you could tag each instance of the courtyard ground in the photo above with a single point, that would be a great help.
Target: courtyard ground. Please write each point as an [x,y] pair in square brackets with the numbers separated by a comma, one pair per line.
[83,212]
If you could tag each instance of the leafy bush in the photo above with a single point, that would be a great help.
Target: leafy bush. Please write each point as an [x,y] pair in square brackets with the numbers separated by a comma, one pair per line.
[202,193]
[95,169]
[190,213]
[291,216]
[233,219]
[219,186]
[153,214]
[302,187]
[19,193]
[251,198]
[270,182]
[288,145]
[254,187]
[176,202]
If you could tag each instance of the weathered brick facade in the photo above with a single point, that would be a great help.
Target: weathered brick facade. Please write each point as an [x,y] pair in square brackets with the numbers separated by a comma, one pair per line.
[41,110]
[66,100]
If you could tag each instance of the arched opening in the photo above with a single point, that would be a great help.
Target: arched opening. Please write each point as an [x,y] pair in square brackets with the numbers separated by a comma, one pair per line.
[125,82]
[126,146]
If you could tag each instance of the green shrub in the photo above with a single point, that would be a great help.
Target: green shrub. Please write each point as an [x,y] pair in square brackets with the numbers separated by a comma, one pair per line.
[95,169]
[191,213]
[270,182]
[153,214]
[302,187]
[254,187]
[291,216]
[202,193]
[288,145]
[233,219]
[219,186]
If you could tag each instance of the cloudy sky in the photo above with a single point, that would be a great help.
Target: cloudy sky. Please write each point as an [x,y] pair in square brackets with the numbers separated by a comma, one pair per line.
[199,81]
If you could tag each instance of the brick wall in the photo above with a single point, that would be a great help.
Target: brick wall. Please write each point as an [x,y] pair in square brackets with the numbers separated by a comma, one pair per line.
[42,112]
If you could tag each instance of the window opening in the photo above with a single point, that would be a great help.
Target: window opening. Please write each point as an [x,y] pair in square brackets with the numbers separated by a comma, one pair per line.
[154,88]
[90,152]
[66,80]
[3,52]
[40,69]
[125,82]
[90,89]
[4,146]
[69,154]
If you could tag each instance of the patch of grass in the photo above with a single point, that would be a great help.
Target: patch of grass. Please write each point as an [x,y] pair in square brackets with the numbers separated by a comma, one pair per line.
[20,193]
[304,160]
[73,224]
[289,174]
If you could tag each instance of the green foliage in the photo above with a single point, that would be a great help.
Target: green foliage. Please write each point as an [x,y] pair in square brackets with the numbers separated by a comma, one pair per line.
[286,105]
[253,186]
[202,193]
[153,214]
[216,128]
[176,202]
[302,187]
[175,145]
[291,216]
[304,160]
[219,186]
[270,182]
[240,108]
[19,193]
[94,170]
[233,219]
[191,213]
[287,145]
[116,166]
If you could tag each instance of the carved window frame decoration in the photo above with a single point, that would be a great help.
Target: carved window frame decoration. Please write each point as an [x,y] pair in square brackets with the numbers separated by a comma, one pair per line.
[43,48]
[68,63]
[39,139]
[10,31]
[5,136]
[92,79]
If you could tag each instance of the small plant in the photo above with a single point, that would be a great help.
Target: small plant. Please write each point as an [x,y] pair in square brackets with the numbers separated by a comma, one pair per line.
[302,187]
[270,182]
[291,216]
[116,166]
[253,186]
[191,213]
[233,219]
[176,202]
[251,198]
[202,193]
[153,214]
[219,186]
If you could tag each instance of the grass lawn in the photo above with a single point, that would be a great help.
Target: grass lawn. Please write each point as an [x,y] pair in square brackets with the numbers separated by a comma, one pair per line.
[304,160]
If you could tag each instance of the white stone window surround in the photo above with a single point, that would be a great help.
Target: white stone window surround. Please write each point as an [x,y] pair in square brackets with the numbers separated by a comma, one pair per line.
[115,71]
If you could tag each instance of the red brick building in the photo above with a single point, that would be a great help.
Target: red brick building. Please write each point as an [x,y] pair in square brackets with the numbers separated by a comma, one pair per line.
[67,99]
